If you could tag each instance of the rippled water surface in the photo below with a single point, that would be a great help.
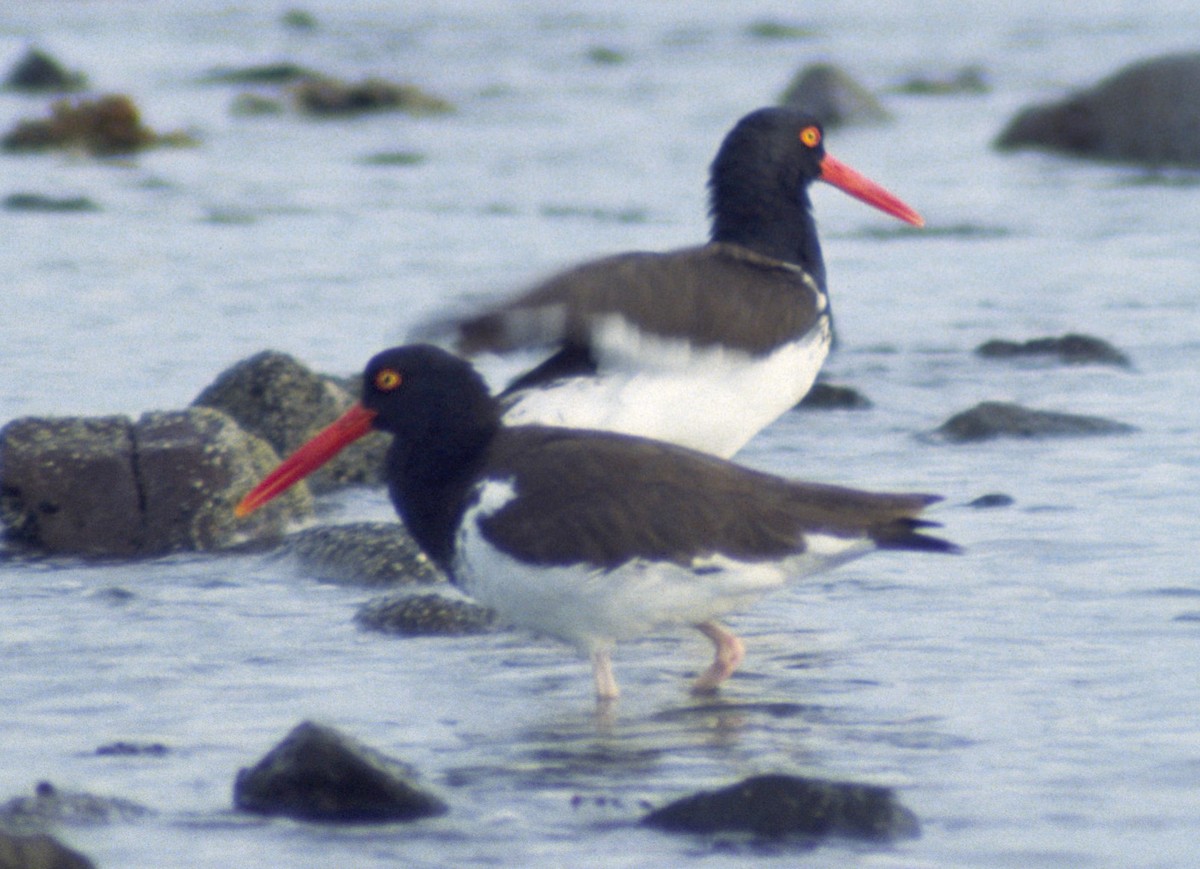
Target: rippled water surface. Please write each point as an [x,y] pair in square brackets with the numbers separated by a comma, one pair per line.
[1033,701]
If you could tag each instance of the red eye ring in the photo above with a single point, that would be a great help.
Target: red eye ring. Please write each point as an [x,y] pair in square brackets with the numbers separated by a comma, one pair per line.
[811,136]
[388,379]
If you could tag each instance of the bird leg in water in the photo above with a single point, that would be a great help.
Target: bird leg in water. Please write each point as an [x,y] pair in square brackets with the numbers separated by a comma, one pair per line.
[729,653]
[606,684]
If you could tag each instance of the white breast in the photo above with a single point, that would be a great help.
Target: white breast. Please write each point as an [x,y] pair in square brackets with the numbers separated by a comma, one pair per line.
[711,398]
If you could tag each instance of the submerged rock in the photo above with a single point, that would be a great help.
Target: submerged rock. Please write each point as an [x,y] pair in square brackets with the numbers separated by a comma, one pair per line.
[1071,348]
[1145,113]
[329,96]
[38,72]
[113,486]
[419,615]
[833,96]
[50,806]
[106,126]
[370,553]
[282,401]
[991,501]
[830,396]
[967,80]
[41,204]
[318,774]
[993,419]
[776,806]
[39,851]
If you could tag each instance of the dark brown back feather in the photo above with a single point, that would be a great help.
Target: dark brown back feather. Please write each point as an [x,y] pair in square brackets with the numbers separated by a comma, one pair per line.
[603,499]
[715,293]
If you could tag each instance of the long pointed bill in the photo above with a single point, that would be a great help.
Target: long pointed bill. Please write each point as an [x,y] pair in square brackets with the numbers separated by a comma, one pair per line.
[847,180]
[324,445]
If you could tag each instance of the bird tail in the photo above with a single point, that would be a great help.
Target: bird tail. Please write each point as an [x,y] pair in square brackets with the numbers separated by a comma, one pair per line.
[906,533]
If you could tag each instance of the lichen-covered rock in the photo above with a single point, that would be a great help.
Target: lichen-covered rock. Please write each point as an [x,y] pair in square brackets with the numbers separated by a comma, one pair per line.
[284,402]
[319,774]
[113,486]
[776,806]
[105,126]
[1072,348]
[420,615]
[39,851]
[1145,113]
[993,419]
[833,96]
[369,553]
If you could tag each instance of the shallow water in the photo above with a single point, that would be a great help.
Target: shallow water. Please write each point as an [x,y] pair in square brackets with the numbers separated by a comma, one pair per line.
[1034,701]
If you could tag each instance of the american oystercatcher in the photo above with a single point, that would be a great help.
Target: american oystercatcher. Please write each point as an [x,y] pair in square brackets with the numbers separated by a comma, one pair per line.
[593,537]
[702,346]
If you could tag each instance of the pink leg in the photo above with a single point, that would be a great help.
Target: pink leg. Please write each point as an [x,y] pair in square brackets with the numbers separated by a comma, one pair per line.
[606,684]
[729,653]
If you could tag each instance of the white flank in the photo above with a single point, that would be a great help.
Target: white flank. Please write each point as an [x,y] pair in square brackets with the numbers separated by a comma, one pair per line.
[591,608]
[711,398]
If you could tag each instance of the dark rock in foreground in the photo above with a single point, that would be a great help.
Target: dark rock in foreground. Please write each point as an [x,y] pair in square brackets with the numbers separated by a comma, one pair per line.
[274,396]
[1071,348]
[833,96]
[319,774]
[38,72]
[50,806]
[112,486]
[993,419]
[830,396]
[1145,113]
[370,553]
[39,851]
[776,806]
[106,126]
[418,615]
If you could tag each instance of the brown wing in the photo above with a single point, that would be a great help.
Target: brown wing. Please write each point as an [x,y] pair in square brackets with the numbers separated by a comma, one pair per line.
[602,499]
[715,292]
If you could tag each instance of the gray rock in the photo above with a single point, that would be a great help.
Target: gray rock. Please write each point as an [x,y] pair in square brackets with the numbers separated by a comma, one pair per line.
[50,806]
[112,486]
[993,419]
[319,774]
[776,806]
[369,553]
[39,851]
[833,96]
[1072,348]
[274,396]
[416,615]
[1145,113]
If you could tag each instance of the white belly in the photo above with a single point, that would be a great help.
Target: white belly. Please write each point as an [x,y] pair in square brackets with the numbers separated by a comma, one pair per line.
[710,399]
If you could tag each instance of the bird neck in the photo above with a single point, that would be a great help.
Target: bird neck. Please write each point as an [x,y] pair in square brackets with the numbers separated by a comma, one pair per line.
[778,227]
[430,477]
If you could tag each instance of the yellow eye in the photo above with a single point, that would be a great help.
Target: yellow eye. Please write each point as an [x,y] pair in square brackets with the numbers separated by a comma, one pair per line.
[810,136]
[388,379]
